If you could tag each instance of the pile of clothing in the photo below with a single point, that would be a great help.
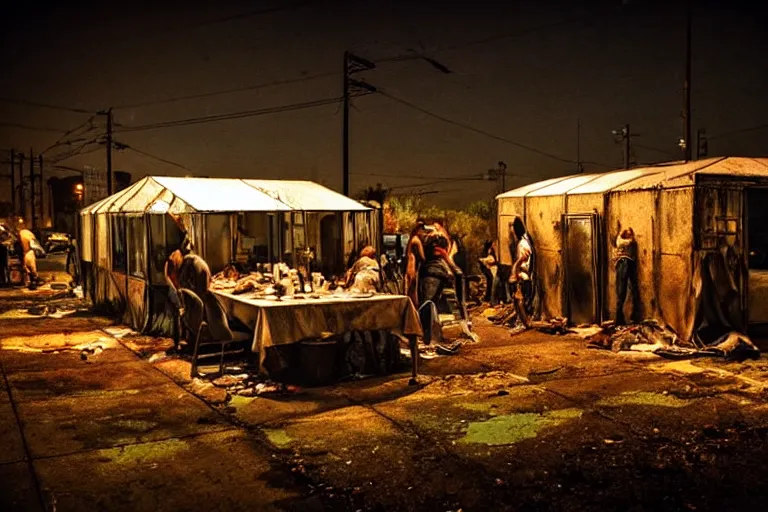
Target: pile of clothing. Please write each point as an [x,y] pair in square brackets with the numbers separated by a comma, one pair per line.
[650,336]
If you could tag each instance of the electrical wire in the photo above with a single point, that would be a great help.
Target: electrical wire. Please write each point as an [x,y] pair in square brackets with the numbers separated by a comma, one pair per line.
[154,157]
[250,14]
[62,142]
[264,85]
[491,39]
[74,152]
[476,176]
[31,128]
[44,105]
[738,132]
[651,148]
[231,115]
[77,153]
[475,130]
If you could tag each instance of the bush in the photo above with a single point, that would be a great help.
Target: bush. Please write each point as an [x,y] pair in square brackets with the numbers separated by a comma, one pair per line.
[472,226]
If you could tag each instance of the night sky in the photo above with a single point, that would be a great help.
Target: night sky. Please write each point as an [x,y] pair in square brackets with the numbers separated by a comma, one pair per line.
[525,72]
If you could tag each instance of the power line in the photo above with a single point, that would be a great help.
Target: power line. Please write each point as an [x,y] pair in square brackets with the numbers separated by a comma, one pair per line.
[485,40]
[154,157]
[231,115]
[80,150]
[62,142]
[32,128]
[476,176]
[476,130]
[250,14]
[658,150]
[44,105]
[274,83]
[739,131]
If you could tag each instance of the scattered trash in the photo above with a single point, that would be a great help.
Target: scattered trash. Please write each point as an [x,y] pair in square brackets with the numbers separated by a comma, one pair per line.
[650,336]
[158,356]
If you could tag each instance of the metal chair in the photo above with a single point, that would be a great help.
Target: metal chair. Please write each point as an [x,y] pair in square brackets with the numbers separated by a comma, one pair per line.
[199,317]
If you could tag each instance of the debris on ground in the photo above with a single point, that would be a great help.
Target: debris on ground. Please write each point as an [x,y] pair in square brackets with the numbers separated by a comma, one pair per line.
[556,326]
[650,336]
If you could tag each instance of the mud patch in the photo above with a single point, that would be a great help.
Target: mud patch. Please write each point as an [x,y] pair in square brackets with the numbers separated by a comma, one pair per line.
[513,428]
[643,398]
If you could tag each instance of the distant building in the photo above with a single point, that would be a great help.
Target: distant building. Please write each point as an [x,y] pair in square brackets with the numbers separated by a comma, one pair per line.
[67,197]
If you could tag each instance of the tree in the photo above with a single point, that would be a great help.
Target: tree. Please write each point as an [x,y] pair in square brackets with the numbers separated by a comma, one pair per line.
[482,209]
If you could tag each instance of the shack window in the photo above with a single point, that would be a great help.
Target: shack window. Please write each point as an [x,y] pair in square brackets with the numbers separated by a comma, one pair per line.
[757,226]
[119,259]
[137,251]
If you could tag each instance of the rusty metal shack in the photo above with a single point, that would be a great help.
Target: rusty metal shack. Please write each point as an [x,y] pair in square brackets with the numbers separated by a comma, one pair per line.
[702,236]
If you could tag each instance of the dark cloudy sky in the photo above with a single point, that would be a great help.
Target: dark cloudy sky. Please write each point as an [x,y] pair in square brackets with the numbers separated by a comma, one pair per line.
[522,71]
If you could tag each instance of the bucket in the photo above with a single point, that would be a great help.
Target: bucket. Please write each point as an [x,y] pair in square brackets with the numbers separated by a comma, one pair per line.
[318,361]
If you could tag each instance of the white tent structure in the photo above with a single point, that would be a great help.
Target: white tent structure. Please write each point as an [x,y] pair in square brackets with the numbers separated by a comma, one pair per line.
[126,237]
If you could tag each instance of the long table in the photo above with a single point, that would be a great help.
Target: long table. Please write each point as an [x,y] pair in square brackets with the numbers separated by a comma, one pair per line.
[291,320]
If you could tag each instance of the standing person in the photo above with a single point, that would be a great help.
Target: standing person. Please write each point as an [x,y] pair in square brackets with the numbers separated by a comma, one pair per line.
[521,276]
[626,273]
[29,244]
[489,267]
[73,259]
[5,234]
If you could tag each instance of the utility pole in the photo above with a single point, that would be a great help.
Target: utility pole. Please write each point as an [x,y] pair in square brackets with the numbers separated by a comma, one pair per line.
[32,189]
[352,64]
[13,182]
[685,142]
[109,152]
[702,147]
[42,189]
[108,114]
[22,212]
[345,130]
[627,135]
[499,175]
[579,167]
[623,135]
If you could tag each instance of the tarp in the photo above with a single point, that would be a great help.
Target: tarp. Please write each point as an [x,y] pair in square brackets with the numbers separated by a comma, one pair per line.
[159,194]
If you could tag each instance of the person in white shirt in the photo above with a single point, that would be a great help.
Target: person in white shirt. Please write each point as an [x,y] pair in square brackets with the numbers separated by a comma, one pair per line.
[521,276]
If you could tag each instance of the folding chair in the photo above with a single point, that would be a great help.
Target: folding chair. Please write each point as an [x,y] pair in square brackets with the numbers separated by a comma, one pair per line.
[209,317]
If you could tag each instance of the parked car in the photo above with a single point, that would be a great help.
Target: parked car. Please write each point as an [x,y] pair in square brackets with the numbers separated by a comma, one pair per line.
[57,242]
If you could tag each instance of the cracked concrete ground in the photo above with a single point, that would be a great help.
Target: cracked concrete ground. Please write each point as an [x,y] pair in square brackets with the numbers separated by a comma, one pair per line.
[530,422]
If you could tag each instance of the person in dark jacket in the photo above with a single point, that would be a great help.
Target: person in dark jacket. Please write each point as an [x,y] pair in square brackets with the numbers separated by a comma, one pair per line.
[625,261]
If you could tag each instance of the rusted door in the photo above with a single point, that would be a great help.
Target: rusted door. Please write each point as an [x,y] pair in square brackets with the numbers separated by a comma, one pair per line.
[580,257]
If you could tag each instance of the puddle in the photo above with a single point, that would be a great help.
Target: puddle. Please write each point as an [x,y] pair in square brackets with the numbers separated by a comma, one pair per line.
[643,398]
[136,425]
[513,428]
[476,406]
[144,453]
[278,437]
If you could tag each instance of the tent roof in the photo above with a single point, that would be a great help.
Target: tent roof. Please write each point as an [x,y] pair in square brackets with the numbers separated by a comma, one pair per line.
[160,194]
[657,176]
